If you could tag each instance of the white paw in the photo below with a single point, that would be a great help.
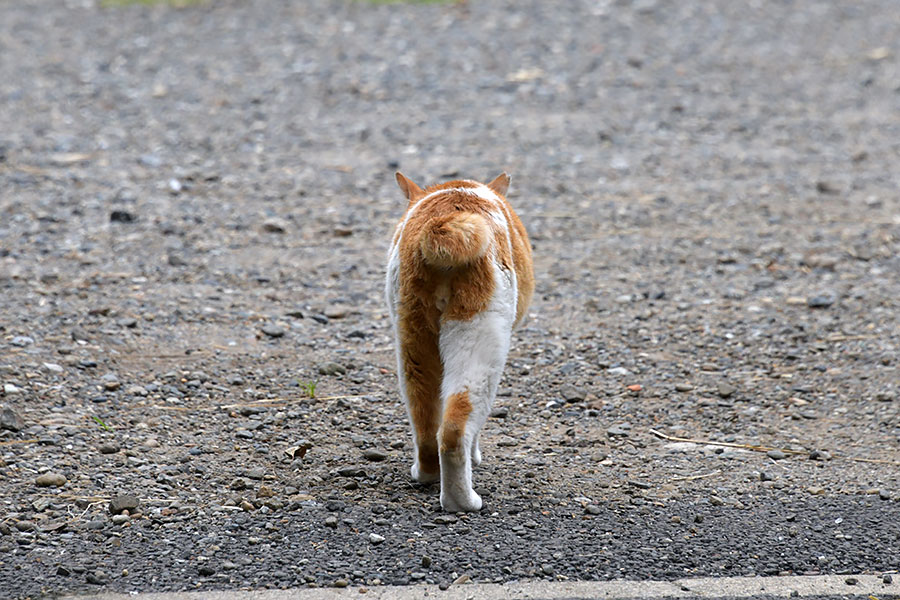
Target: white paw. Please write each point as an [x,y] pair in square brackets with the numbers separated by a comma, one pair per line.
[470,502]
[421,476]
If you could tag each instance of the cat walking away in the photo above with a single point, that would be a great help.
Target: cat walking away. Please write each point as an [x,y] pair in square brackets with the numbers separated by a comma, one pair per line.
[459,278]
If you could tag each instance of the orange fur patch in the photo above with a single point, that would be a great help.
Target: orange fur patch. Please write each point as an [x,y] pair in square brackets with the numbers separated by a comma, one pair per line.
[454,240]
[423,372]
[453,426]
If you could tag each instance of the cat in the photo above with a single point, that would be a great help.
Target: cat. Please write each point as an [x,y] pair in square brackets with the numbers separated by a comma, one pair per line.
[459,278]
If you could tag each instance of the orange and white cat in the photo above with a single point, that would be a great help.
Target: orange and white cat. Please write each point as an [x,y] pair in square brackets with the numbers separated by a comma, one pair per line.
[459,278]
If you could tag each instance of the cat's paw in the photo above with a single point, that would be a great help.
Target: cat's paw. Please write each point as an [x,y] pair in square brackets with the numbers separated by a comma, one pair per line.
[470,502]
[421,476]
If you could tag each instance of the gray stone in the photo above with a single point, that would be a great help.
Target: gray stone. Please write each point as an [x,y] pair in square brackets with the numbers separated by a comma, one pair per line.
[821,300]
[273,330]
[445,519]
[725,389]
[374,455]
[573,394]
[109,448]
[256,473]
[617,431]
[500,412]
[331,368]
[123,502]
[776,454]
[375,539]
[21,341]
[10,419]
[275,225]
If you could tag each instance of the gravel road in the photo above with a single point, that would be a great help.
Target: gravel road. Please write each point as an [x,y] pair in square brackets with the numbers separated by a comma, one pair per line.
[197,386]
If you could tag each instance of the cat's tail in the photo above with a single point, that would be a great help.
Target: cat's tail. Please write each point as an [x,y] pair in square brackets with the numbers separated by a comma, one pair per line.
[455,240]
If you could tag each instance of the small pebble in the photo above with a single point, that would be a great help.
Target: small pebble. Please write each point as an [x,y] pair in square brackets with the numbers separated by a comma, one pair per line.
[820,301]
[273,330]
[275,225]
[445,519]
[341,583]
[886,578]
[592,509]
[776,454]
[617,431]
[332,368]
[123,502]
[851,581]
[376,539]
[21,341]
[10,419]
[725,390]
[50,480]
[374,455]
[96,578]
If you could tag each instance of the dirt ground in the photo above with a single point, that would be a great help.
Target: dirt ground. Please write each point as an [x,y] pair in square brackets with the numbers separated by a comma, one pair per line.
[195,208]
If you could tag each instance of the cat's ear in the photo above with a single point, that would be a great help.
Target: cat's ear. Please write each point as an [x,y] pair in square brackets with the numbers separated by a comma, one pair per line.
[500,184]
[410,189]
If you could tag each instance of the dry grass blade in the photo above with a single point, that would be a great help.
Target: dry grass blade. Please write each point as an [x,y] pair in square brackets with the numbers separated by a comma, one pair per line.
[751,447]
[11,442]
[694,477]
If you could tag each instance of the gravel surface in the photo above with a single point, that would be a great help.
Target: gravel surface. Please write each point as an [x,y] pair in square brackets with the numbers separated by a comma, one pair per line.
[196,373]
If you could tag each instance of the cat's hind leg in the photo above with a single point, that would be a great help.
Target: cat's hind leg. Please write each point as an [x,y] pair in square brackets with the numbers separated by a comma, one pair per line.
[473,352]
[419,365]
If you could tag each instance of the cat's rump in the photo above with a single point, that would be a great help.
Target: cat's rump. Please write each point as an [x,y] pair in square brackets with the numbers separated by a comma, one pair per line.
[455,240]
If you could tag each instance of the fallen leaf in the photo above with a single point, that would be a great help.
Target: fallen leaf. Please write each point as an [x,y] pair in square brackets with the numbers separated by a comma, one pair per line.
[298,451]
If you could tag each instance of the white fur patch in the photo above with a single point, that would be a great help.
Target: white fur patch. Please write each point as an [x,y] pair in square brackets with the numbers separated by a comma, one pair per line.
[473,353]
